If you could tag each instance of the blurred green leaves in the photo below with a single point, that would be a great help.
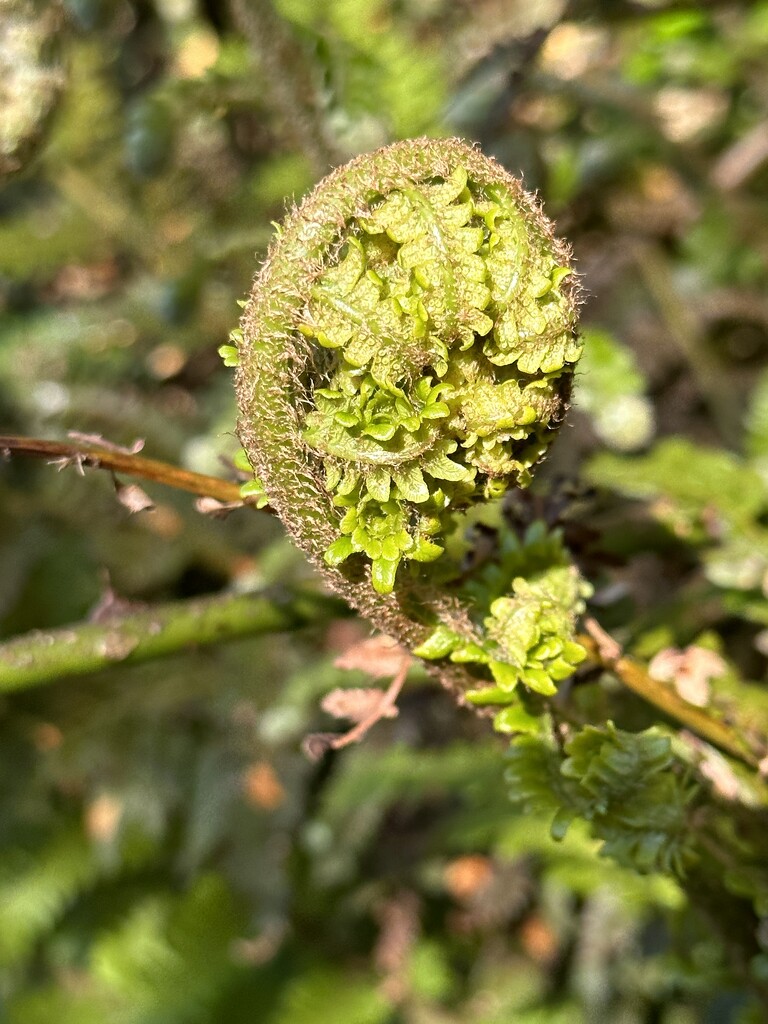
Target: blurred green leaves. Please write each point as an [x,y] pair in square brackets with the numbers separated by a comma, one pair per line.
[166,854]
[611,390]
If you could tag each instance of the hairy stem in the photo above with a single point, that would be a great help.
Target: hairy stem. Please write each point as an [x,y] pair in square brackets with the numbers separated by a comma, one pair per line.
[62,453]
[43,656]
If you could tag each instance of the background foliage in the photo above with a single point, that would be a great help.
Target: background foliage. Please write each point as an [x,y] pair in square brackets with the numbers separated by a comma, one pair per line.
[167,854]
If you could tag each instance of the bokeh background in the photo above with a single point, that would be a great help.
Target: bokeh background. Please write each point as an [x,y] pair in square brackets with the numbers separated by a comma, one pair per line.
[167,853]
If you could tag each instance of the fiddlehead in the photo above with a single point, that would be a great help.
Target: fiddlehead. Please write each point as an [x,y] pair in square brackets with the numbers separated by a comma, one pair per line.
[406,353]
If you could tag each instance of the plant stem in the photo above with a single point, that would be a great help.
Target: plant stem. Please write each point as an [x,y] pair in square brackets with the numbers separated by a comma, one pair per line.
[120,461]
[603,650]
[287,80]
[44,656]
[685,327]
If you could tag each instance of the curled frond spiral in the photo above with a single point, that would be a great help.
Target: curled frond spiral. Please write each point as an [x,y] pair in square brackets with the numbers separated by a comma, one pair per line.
[406,353]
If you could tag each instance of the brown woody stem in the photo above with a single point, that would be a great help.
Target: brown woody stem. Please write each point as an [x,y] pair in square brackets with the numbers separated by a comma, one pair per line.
[605,652]
[119,461]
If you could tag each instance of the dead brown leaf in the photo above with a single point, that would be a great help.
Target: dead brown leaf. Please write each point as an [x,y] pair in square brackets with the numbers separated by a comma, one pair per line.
[356,703]
[399,922]
[714,767]
[262,787]
[102,817]
[133,497]
[380,656]
[539,939]
[214,508]
[466,876]
[689,670]
[316,744]
[46,737]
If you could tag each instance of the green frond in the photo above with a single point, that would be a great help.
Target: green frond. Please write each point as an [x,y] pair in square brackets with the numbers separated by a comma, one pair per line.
[692,477]
[623,784]
[397,773]
[611,390]
[36,891]
[170,958]
[349,999]
[529,598]
[167,962]
[687,483]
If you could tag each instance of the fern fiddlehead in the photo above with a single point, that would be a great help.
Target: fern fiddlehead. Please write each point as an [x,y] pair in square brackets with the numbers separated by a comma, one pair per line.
[406,354]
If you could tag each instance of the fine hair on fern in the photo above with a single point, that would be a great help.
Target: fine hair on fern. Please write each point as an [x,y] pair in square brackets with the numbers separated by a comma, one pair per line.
[406,355]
